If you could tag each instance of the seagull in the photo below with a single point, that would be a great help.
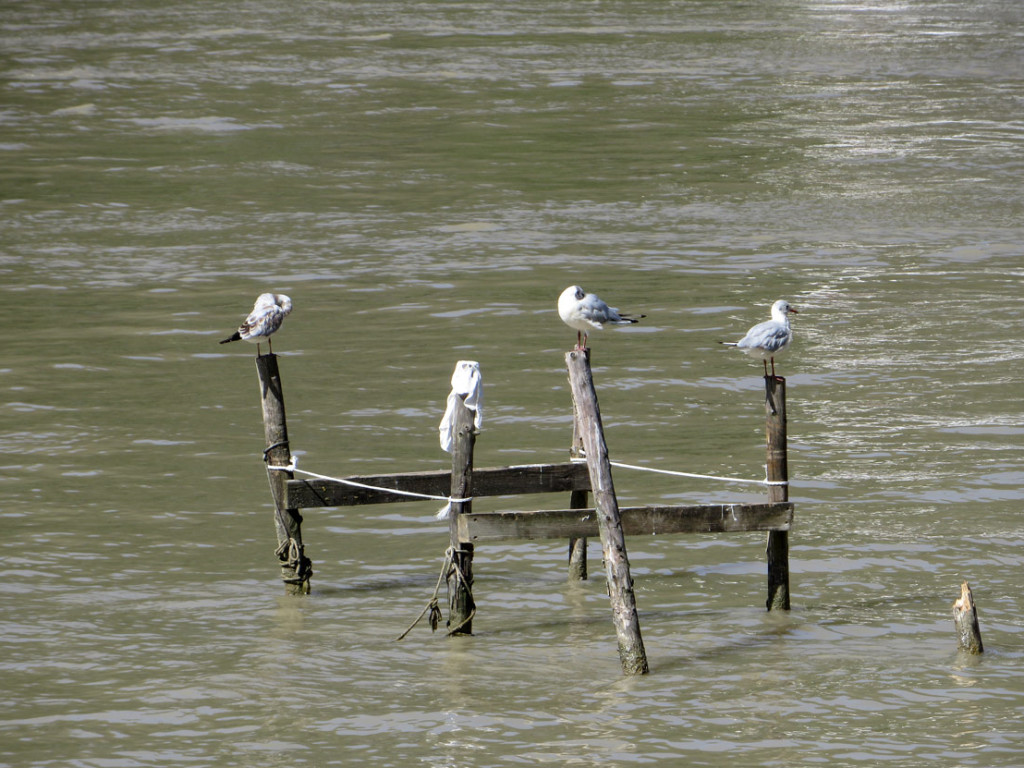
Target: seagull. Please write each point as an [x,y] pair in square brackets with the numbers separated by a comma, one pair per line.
[585,311]
[267,314]
[770,338]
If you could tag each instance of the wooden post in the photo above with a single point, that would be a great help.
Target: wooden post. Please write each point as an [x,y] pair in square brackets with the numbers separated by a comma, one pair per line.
[778,471]
[578,546]
[965,617]
[296,568]
[613,542]
[577,500]
[461,606]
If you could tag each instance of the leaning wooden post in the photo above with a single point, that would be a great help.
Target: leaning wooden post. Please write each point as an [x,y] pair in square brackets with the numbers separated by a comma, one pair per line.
[777,471]
[965,618]
[577,500]
[296,568]
[461,607]
[613,541]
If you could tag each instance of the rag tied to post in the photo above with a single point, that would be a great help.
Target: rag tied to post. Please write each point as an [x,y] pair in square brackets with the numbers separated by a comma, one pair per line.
[466,382]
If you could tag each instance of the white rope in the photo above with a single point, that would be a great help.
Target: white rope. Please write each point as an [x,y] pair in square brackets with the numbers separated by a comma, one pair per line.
[412,494]
[676,473]
[283,467]
[449,500]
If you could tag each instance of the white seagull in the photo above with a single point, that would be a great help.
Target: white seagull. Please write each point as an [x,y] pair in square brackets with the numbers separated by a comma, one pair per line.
[267,314]
[585,311]
[770,338]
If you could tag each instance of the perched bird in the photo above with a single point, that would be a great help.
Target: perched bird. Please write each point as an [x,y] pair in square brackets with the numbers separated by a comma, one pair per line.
[770,338]
[585,311]
[267,314]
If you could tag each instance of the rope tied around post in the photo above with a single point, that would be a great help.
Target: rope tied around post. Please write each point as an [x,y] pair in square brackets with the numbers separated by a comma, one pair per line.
[269,448]
[291,555]
[462,581]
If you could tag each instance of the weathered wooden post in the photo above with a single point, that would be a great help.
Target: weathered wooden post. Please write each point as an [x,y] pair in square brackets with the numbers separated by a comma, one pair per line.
[777,471]
[296,568]
[577,500]
[613,542]
[461,606]
[965,618]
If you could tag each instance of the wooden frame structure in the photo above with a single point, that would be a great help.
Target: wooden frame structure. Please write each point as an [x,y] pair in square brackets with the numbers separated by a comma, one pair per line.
[576,523]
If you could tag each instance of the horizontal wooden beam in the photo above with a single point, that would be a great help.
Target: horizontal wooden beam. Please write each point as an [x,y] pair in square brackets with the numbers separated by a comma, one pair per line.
[636,521]
[499,481]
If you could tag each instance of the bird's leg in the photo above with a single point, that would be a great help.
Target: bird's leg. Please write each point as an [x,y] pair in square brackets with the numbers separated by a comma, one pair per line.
[585,337]
[271,345]
[258,349]
[765,364]
[579,343]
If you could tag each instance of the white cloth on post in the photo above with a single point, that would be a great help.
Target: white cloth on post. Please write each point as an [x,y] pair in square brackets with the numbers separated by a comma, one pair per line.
[466,382]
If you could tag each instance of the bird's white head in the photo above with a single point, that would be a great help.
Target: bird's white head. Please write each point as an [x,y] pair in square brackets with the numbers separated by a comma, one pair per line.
[781,311]
[568,299]
[284,302]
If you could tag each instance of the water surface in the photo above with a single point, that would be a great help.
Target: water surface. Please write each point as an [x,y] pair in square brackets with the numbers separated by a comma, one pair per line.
[423,179]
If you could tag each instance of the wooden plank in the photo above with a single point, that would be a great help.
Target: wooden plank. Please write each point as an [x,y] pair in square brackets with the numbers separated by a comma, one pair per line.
[530,478]
[636,521]
[496,481]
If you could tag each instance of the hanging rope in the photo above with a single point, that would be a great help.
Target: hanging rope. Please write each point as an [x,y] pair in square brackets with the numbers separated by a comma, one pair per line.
[460,577]
[435,612]
[448,568]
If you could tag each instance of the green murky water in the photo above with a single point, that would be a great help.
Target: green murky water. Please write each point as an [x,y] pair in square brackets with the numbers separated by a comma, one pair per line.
[423,179]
